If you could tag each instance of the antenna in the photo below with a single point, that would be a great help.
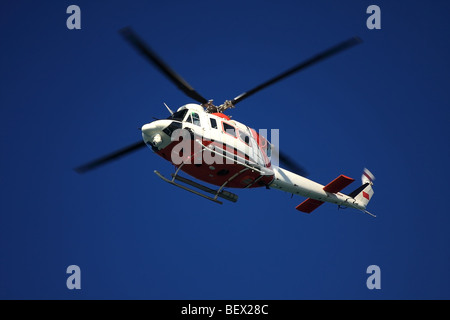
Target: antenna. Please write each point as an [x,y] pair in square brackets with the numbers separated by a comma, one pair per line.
[171,112]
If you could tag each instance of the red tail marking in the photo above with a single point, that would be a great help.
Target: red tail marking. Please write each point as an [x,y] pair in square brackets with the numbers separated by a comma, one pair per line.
[366,195]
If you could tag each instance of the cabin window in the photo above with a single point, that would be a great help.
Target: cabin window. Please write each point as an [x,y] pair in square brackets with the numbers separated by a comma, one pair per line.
[244,137]
[213,123]
[195,118]
[179,115]
[227,128]
[269,150]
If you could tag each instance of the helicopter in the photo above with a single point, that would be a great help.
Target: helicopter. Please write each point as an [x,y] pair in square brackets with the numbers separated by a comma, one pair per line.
[200,140]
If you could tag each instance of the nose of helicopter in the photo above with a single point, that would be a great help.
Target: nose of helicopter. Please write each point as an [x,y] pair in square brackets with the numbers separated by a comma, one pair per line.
[153,133]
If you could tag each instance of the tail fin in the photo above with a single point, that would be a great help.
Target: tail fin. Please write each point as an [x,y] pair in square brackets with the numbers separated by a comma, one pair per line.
[364,193]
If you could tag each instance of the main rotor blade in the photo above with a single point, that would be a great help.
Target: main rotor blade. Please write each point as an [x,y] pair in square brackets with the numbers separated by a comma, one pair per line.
[147,52]
[288,163]
[291,165]
[110,157]
[319,57]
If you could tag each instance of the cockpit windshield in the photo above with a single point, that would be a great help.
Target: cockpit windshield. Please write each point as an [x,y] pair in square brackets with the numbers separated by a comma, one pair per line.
[179,115]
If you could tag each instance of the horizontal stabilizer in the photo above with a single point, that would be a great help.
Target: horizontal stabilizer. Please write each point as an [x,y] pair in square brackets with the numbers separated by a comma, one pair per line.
[338,184]
[309,205]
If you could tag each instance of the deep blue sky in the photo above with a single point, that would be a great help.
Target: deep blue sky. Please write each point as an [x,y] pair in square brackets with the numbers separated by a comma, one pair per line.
[68,96]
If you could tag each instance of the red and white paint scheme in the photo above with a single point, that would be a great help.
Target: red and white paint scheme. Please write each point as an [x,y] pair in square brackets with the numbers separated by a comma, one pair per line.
[203,142]
[238,158]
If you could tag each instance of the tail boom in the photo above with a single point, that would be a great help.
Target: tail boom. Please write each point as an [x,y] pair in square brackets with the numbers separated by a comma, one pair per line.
[317,194]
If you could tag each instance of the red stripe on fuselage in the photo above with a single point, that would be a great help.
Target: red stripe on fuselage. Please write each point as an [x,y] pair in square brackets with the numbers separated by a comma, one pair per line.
[218,173]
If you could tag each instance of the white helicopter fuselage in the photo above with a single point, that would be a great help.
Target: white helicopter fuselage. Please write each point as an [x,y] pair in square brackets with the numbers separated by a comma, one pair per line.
[227,153]
[218,148]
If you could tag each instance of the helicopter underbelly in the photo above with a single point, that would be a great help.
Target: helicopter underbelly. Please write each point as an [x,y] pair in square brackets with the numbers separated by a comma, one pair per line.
[223,170]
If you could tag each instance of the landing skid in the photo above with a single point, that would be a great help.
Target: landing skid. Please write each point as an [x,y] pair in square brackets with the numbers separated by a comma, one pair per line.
[217,193]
